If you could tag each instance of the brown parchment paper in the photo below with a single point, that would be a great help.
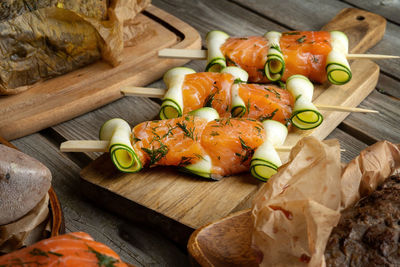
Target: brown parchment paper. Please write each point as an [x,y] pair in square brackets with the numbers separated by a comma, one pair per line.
[27,230]
[294,213]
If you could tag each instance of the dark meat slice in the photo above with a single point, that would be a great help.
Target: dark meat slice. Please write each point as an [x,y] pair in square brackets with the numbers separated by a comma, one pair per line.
[368,233]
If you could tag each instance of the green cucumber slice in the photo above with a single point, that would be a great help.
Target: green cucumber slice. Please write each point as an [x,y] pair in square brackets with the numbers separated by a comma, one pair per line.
[305,115]
[172,105]
[206,113]
[300,86]
[337,67]
[340,42]
[118,132]
[240,75]
[238,108]
[275,132]
[201,168]
[275,65]
[265,162]
[215,59]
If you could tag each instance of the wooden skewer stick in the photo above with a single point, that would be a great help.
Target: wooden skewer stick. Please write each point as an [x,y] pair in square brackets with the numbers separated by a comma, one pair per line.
[159,93]
[102,146]
[202,54]
[84,146]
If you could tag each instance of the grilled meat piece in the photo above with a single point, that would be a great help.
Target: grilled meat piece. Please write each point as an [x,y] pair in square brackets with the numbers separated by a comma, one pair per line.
[368,233]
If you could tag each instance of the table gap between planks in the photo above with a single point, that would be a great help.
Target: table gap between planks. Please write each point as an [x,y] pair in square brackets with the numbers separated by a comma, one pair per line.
[147,248]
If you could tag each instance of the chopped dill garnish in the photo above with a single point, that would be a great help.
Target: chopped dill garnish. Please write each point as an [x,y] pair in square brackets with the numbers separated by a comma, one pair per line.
[314,59]
[103,260]
[268,117]
[214,133]
[290,33]
[170,129]
[276,47]
[243,38]
[156,154]
[198,156]
[185,161]
[248,106]
[277,94]
[248,151]
[230,62]
[135,140]
[187,131]
[301,39]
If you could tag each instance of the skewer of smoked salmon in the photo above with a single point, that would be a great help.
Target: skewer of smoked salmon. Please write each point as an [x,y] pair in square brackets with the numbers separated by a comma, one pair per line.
[199,143]
[228,93]
[320,56]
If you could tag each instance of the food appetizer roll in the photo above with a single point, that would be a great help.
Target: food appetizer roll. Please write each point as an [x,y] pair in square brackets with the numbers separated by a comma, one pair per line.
[199,143]
[229,95]
[320,56]
[72,249]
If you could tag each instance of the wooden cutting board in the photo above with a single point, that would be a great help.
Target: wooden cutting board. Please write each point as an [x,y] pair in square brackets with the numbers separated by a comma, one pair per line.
[193,202]
[75,93]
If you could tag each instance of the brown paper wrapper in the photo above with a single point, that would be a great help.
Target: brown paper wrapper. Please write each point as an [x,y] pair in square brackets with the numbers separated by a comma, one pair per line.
[27,230]
[295,212]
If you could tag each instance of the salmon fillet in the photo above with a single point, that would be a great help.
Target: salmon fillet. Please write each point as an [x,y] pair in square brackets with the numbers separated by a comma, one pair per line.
[209,89]
[230,143]
[73,249]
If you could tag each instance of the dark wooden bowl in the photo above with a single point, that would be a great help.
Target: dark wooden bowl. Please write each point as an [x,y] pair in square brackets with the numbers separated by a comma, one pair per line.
[226,242]
[56,216]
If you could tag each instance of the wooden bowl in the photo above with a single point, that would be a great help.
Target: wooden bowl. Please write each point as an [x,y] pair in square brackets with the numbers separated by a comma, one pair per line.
[226,242]
[56,216]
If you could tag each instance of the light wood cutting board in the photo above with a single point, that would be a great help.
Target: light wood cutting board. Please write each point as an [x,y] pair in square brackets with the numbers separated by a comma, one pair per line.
[75,93]
[194,202]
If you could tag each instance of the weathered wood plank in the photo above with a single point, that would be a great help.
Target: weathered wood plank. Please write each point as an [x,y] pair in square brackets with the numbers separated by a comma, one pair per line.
[351,145]
[387,8]
[389,86]
[148,249]
[372,128]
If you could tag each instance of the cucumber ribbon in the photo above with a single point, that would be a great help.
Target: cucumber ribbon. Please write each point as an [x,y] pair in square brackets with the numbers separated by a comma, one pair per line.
[215,58]
[305,115]
[275,65]
[337,67]
[118,132]
[266,161]
[172,105]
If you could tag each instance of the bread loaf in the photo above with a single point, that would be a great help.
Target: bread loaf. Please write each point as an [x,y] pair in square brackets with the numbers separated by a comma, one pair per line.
[24,181]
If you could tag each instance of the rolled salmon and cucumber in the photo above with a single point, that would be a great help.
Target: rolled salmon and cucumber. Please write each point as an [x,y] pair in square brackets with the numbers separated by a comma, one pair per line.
[320,56]
[228,93]
[200,143]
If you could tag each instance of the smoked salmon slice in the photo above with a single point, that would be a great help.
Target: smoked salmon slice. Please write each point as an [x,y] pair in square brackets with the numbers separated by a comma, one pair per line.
[210,89]
[230,143]
[69,250]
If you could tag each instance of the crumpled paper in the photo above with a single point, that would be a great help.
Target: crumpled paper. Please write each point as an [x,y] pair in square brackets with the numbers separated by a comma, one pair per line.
[295,212]
[26,230]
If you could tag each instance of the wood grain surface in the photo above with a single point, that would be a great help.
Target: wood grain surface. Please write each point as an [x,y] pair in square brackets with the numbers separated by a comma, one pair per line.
[194,202]
[141,244]
[67,96]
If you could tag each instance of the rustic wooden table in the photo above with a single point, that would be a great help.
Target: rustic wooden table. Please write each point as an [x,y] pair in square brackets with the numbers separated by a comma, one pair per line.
[140,244]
